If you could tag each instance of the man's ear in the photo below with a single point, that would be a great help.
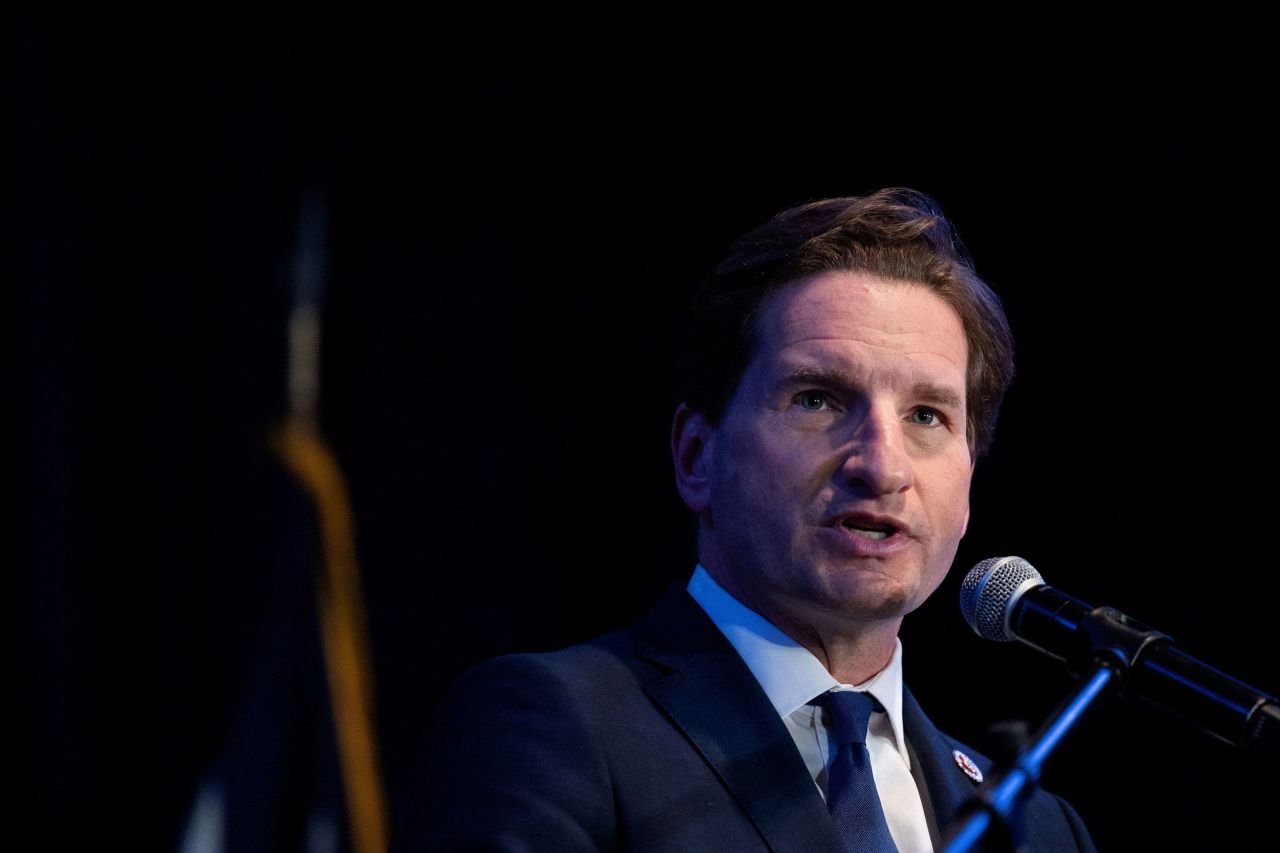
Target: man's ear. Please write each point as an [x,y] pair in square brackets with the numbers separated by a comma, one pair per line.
[691,440]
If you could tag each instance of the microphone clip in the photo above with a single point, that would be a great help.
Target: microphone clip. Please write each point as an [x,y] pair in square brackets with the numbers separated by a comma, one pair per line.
[1108,636]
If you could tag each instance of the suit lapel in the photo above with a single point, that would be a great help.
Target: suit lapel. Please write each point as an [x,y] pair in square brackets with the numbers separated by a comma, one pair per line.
[948,786]
[708,692]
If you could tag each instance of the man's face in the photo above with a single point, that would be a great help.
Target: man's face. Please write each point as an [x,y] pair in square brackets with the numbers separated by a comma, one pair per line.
[837,482]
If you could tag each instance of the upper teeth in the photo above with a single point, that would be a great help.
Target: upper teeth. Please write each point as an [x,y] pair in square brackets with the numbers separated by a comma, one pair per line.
[868,532]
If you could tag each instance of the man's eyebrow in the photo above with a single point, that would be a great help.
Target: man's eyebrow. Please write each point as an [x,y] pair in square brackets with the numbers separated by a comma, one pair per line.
[929,392]
[810,373]
[816,376]
[941,395]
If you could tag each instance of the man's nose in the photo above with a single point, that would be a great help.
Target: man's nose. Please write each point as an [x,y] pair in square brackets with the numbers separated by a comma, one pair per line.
[876,458]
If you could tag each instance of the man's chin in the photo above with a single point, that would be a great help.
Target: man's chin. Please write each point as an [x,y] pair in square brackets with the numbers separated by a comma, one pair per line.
[875,599]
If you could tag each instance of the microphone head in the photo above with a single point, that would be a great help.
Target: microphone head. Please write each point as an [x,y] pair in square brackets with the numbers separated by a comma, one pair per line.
[990,591]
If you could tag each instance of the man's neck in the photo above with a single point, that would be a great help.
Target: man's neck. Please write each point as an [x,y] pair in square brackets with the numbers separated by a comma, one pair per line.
[852,650]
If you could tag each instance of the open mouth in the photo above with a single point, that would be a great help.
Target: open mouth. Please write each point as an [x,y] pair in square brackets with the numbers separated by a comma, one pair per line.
[868,530]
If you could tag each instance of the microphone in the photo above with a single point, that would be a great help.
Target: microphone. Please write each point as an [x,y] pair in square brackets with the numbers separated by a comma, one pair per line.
[1005,598]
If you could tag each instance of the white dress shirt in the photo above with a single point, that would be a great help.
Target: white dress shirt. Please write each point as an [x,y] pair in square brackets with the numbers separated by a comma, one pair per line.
[792,678]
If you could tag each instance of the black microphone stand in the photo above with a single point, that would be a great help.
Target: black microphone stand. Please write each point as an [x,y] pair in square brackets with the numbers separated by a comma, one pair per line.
[1108,644]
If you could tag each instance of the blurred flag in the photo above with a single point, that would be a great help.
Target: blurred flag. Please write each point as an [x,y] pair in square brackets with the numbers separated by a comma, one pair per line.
[299,770]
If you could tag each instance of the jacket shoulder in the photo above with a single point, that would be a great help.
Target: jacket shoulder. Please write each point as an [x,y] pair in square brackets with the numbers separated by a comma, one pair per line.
[511,752]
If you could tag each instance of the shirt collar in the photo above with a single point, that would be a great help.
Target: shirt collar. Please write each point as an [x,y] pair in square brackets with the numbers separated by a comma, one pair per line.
[788,672]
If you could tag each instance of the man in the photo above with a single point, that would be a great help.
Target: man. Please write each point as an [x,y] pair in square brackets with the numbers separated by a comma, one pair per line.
[845,369]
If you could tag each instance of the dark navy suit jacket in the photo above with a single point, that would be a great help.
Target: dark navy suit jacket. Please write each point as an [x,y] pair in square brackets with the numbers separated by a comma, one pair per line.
[653,739]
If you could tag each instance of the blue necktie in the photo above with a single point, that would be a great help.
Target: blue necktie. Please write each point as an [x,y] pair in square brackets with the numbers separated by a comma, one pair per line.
[851,789]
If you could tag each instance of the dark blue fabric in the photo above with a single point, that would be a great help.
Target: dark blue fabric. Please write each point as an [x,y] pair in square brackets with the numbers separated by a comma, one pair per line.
[653,739]
[851,787]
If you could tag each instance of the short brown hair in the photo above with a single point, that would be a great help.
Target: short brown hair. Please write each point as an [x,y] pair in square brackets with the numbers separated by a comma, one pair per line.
[895,233]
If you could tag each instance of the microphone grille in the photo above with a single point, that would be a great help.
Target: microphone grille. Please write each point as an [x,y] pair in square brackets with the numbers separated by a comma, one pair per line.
[990,590]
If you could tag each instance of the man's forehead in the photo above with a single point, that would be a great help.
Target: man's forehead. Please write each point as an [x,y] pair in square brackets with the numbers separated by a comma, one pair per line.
[855,297]
[837,313]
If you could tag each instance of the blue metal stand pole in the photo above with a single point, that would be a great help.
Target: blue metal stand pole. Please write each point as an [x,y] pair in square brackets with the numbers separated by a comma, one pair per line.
[997,801]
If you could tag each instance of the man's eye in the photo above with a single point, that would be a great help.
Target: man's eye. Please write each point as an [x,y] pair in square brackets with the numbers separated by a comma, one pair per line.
[813,401]
[926,417]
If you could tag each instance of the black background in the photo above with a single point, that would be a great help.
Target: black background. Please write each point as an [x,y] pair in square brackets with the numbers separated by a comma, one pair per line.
[517,209]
